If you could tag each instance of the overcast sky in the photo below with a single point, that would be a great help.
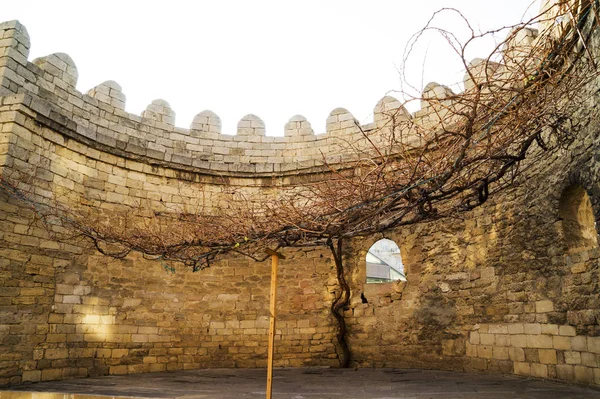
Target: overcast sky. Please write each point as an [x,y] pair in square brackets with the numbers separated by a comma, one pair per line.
[274,59]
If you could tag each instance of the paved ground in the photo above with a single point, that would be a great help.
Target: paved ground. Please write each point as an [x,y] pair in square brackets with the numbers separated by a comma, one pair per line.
[310,384]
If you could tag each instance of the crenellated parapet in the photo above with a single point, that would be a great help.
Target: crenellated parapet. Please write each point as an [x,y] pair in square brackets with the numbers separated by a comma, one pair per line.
[98,117]
[109,92]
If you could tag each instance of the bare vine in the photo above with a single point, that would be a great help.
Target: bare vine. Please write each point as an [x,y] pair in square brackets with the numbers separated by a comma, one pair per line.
[341,301]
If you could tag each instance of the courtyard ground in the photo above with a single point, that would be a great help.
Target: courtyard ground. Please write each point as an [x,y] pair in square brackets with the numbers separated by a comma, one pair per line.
[311,383]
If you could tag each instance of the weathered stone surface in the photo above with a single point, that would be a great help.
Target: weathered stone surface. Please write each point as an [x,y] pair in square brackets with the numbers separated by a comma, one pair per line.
[499,289]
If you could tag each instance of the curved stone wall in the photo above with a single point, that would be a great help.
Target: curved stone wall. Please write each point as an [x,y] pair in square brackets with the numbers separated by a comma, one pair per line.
[99,119]
[498,290]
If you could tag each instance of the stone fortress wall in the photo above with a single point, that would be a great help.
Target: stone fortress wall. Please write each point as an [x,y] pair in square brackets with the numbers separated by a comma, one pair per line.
[98,118]
[502,289]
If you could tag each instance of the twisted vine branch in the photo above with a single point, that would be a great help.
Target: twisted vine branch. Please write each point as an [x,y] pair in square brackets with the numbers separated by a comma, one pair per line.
[340,302]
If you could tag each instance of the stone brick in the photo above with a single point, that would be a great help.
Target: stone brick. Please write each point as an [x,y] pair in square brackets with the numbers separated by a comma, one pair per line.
[539,341]
[115,370]
[565,372]
[567,330]
[522,368]
[544,306]
[519,341]
[478,363]
[516,328]
[516,354]
[590,359]
[471,350]
[532,328]
[579,343]
[502,340]
[572,357]
[51,374]
[486,339]
[593,344]
[547,356]
[497,329]
[32,376]
[550,329]
[56,353]
[500,353]
[539,370]
[584,374]
[562,343]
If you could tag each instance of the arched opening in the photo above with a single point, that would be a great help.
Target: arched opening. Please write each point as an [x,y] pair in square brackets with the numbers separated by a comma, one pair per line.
[384,262]
[577,217]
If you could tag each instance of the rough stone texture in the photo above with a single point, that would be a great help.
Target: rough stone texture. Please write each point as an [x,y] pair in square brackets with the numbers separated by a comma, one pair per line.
[500,290]
[109,92]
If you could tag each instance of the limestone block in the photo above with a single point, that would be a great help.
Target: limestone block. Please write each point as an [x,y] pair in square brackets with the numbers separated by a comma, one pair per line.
[551,329]
[205,122]
[32,376]
[547,356]
[593,344]
[457,276]
[480,72]
[485,351]
[337,117]
[556,17]
[497,329]
[474,338]
[519,341]
[61,67]
[251,125]
[565,372]
[51,374]
[109,92]
[501,353]
[590,359]
[298,125]
[160,111]
[584,374]
[438,108]
[15,42]
[471,350]
[579,343]
[539,341]
[539,370]
[532,328]
[562,343]
[569,331]
[516,354]
[522,368]
[577,268]
[544,306]
[435,93]
[486,339]
[516,328]
[572,357]
[517,49]
[502,340]
[389,111]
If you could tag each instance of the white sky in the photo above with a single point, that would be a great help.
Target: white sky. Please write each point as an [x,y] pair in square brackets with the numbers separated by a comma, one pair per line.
[274,59]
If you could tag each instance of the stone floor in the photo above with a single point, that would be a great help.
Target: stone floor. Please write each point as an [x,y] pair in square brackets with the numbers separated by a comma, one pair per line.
[306,384]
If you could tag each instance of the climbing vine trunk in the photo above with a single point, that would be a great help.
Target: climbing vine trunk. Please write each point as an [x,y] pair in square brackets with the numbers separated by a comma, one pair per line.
[340,303]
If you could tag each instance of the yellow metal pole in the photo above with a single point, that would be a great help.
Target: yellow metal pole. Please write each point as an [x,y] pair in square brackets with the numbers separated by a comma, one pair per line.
[273,310]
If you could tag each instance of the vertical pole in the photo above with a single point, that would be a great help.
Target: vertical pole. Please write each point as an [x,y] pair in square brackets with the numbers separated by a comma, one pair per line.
[273,310]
